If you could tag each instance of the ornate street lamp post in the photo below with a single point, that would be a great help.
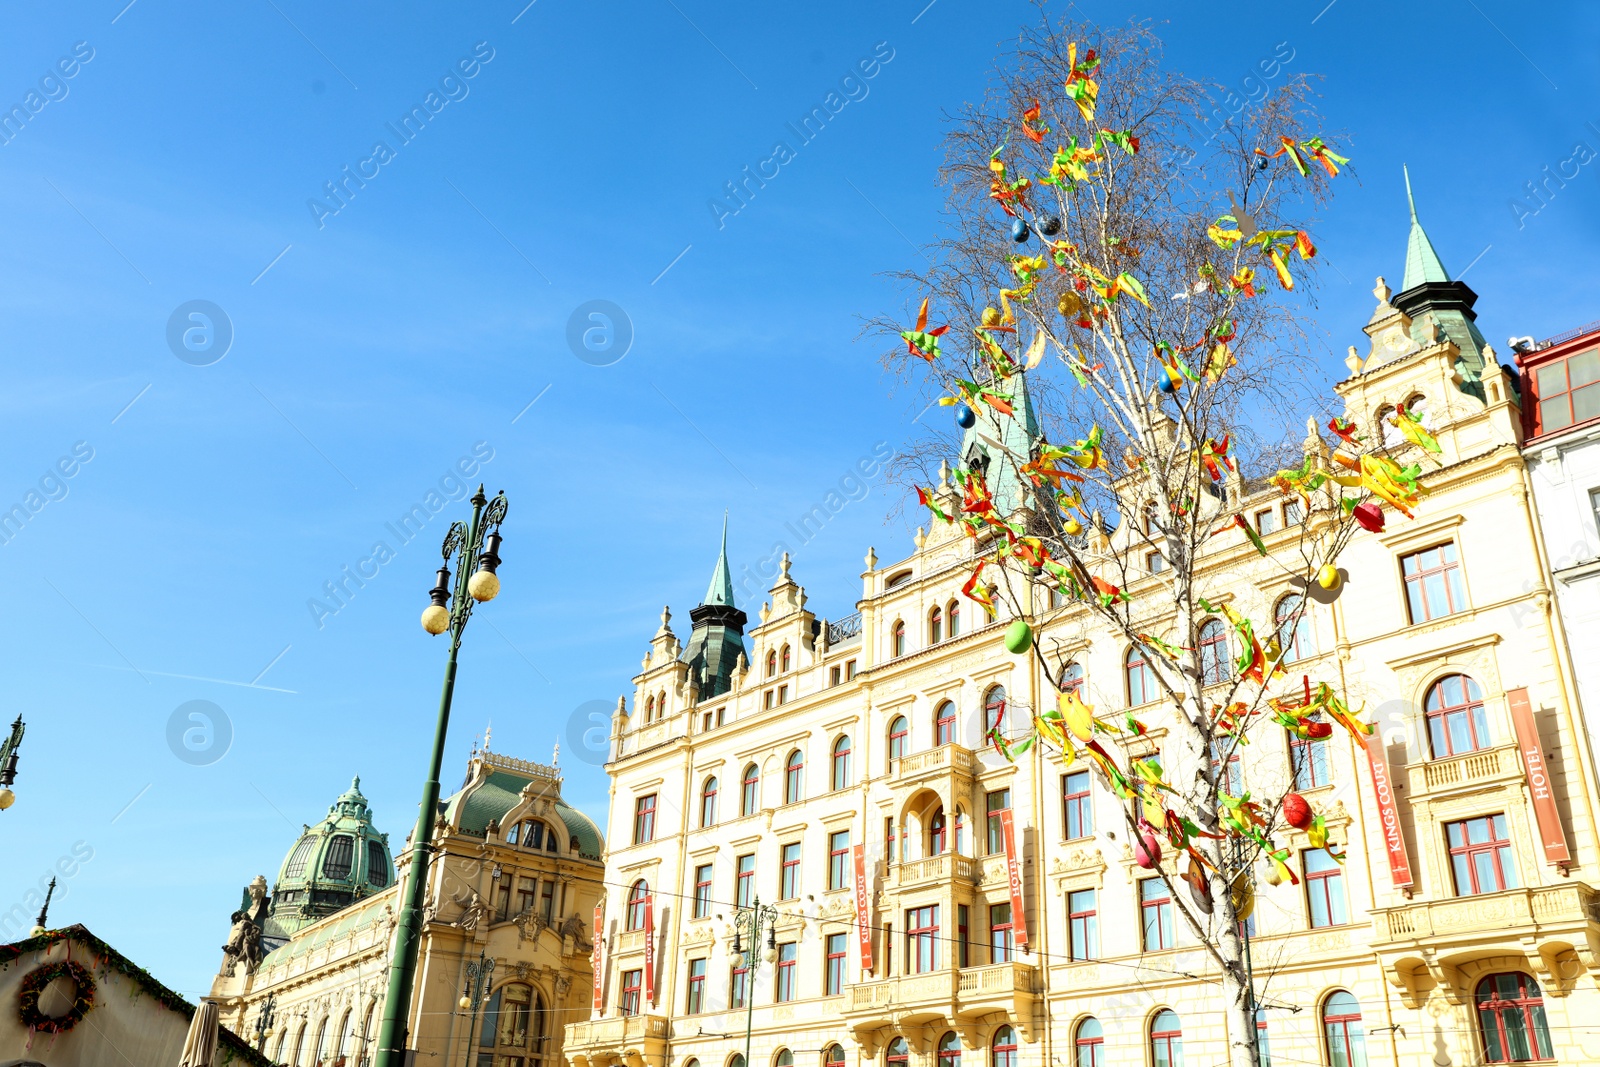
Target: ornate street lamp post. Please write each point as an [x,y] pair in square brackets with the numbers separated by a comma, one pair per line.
[8,763]
[475,993]
[755,918]
[264,1022]
[481,542]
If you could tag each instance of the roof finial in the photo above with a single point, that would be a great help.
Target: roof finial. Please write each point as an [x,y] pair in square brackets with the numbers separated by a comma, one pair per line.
[555,757]
[1410,200]
[44,912]
[486,732]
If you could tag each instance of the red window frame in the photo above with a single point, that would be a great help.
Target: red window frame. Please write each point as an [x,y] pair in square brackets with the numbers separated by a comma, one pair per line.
[1442,717]
[632,982]
[1492,1008]
[935,626]
[1002,946]
[1083,924]
[1089,1051]
[994,803]
[750,790]
[1156,909]
[950,1050]
[962,919]
[1327,886]
[1541,396]
[1292,610]
[744,880]
[922,939]
[937,834]
[898,731]
[695,1000]
[890,839]
[702,891]
[1448,573]
[772,663]
[834,956]
[1166,1045]
[1072,677]
[789,872]
[839,765]
[833,1056]
[636,897]
[794,770]
[783,663]
[994,709]
[644,819]
[739,986]
[1077,806]
[1216,662]
[1465,853]
[783,985]
[1336,1030]
[898,639]
[838,859]
[1003,1049]
[944,723]
[1233,778]
[708,802]
[1135,668]
[897,1053]
[1310,771]
[953,617]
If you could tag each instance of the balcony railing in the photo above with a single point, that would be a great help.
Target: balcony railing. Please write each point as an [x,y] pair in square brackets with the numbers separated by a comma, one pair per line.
[845,630]
[972,988]
[934,869]
[615,1031]
[1485,765]
[1512,909]
[945,757]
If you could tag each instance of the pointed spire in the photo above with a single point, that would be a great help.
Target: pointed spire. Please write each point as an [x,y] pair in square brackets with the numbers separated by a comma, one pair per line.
[1422,262]
[721,589]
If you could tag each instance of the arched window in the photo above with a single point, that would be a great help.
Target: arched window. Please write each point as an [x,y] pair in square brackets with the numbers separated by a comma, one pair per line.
[784,1058]
[708,802]
[1089,1044]
[1457,722]
[299,1046]
[1215,664]
[283,1039]
[1341,1025]
[783,660]
[636,897]
[897,1053]
[897,738]
[1003,1050]
[935,626]
[794,770]
[897,640]
[341,1042]
[1141,677]
[833,1056]
[367,1034]
[322,1043]
[736,1060]
[952,617]
[936,834]
[1072,678]
[750,790]
[661,705]
[961,833]
[944,723]
[839,765]
[1511,1019]
[1166,1039]
[1293,625]
[950,1050]
[296,864]
[994,709]
[772,663]
[649,709]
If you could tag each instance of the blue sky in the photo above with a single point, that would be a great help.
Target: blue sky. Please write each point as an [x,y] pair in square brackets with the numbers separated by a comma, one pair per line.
[375,347]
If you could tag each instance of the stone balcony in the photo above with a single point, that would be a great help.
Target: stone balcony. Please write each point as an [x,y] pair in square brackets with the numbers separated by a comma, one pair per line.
[924,766]
[955,997]
[634,1040]
[1446,943]
[935,870]
[1473,771]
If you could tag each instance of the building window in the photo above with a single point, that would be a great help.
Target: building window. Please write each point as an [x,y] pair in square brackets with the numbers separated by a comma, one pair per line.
[631,983]
[695,1002]
[944,723]
[1000,941]
[995,803]
[950,1050]
[750,790]
[833,676]
[739,990]
[1263,1046]
[1232,779]
[963,930]
[994,709]
[897,738]
[838,859]
[1077,811]
[1309,757]
[649,709]
[1568,391]
[783,660]
[1003,1050]
[849,669]
[833,969]
[784,1058]
[1293,625]
[1266,521]
[1457,722]
[702,891]
[1083,925]
[1433,583]
[644,819]
[1294,512]
[897,640]
[636,898]
[783,695]
[789,872]
[772,663]
[1215,663]
[1141,677]
[952,616]
[786,958]
[833,1056]
[1155,912]
[1072,678]
[1511,1019]
[1166,1039]
[898,1054]
[340,857]
[1089,1044]
[890,839]
[769,699]
[1341,1025]
[1155,562]
[744,882]
[922,939]
[1324,888]
[839,765]
[935,626]
[1480,855]
[937,834]
[794,769]
[708,802]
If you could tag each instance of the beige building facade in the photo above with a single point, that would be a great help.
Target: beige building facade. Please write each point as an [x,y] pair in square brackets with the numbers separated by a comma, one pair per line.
[1462,927]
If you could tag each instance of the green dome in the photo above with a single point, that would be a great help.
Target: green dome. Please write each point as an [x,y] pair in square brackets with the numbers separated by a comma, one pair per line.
[334,864]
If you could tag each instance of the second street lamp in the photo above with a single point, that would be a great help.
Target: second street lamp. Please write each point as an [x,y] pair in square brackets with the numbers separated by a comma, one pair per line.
[8,763]
[467,544]
[755,917]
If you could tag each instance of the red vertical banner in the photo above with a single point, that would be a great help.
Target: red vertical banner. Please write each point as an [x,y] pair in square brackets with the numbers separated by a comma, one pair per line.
[863,926]
[1544,798]
[1394,837]
[1019,917]
[599,934]
[650,949]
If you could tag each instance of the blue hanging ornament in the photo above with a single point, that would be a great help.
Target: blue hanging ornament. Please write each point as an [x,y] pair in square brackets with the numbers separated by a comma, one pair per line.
[1050,225]
[1019,230]
[965,417]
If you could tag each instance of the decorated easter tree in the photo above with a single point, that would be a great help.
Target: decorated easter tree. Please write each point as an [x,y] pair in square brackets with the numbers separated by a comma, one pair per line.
[1134,274]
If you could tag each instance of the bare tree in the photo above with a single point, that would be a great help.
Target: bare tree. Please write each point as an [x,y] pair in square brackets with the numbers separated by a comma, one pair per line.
[1108,251]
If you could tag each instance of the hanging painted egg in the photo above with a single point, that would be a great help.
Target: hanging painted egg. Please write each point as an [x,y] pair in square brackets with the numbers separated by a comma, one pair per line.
[1244,897]
[1073,527]
[1328,577]
[1370,516]
[965,417]
[1019,230]
[1166,384]
[1050,225]
[1296,811]
[1147,851]
[1019,637]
